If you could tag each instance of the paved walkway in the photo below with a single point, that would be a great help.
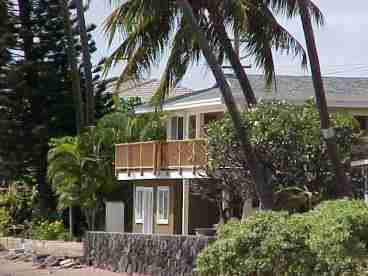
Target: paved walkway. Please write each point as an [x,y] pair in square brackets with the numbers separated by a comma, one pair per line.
[8,268]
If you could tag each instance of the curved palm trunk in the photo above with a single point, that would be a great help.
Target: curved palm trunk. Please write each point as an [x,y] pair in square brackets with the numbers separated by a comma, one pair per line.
[233,57]
[72,58]
[343,186]
[90,99]
[263,188]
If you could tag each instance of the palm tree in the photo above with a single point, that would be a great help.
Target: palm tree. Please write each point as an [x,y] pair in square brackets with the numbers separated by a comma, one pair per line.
[262,185]
[79,175]
[72,58]
[148,26]
[90,99]
[343,186]
[64,173]
[305,8]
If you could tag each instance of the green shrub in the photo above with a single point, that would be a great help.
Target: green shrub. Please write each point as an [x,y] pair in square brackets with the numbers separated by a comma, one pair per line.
[339,236]
[269,243]
[50,231]
[330,240]
[5,221]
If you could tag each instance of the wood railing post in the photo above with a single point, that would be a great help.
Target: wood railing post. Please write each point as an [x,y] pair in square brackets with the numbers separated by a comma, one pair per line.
[194,156]
[154,158]
[127,155]
[141,159]
[116,160]
[179,153]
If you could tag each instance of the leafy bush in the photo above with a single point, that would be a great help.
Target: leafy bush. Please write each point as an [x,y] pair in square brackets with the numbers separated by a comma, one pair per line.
[339,236]
[50,231]
[5,221]
[288,141]
[330,240]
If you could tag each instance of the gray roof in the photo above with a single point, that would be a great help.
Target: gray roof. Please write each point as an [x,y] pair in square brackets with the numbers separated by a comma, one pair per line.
[340,92]
[144,89]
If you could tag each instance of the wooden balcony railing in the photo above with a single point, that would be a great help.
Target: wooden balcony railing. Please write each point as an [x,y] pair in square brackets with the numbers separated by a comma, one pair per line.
[157,156]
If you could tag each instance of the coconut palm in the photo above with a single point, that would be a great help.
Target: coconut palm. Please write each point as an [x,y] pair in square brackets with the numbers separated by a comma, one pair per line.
[303,8]
[73,63]
[90,98]
[148,28]
[258,172]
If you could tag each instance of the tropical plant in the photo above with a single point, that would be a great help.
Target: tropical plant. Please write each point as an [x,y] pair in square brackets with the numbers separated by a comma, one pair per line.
[5,222]
[36,90]
[343,185]
[143,44]
[330,240]
[288,142]
[81,168]
[148,27]
[87,65]
[49,231]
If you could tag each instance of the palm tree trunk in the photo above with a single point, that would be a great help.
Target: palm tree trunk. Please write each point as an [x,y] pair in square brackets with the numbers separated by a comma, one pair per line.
[233,57]
[343,186]
[263,189]
[90,100]
[71,228]
[72,57]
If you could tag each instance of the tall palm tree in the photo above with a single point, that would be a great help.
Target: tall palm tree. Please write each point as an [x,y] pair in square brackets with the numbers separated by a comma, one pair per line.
[262,185]
[73,62]
[343,186]
[303,8]
[87,65]
[150,27]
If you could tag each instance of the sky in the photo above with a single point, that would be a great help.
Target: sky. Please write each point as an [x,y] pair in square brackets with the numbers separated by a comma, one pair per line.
[342,43]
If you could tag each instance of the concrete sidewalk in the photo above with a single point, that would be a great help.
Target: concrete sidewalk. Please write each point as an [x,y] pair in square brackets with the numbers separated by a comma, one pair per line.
[8,268]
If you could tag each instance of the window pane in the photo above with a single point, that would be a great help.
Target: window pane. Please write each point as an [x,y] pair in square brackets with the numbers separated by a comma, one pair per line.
[180,128]
[192,126]
[139,204]
[174,128]
[165,204]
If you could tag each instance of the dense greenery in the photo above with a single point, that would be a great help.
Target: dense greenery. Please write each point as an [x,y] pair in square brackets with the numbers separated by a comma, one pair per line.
[287,141]
[330,240]
[81,168]
[36,91]
[5,222]
[49,231]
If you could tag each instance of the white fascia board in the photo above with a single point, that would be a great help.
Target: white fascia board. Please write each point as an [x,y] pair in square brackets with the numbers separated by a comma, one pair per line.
[193,104]
[181,106]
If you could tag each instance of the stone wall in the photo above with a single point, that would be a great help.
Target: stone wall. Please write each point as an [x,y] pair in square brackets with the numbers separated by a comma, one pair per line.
[55,248]
[145,254]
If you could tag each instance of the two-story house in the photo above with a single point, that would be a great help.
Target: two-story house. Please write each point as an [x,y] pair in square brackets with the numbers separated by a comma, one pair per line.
[161,171]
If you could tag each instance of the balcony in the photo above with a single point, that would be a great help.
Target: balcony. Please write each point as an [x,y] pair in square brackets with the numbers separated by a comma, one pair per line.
[161,159]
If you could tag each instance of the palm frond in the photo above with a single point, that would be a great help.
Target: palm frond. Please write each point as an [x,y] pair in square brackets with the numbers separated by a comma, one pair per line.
[184,51]
[291,8]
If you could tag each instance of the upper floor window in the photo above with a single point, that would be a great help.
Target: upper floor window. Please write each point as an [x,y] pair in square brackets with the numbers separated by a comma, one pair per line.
[177,128]
[192,127]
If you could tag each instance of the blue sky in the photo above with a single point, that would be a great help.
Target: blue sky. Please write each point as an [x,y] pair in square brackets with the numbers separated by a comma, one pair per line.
[342,43]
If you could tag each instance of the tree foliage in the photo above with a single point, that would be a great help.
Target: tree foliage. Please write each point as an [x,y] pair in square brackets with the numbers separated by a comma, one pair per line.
[149,28]
[35,90]
[330,240]
[81,168]
[288,141]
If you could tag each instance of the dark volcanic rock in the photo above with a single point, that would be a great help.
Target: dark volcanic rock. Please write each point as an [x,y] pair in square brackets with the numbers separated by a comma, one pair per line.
[146,254]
